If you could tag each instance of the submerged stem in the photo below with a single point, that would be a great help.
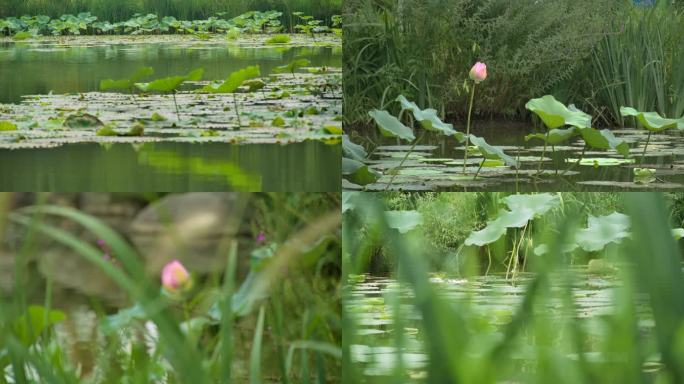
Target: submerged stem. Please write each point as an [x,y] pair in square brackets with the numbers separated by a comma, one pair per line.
[237,113]
[541,158]
[176,104]
[648,140]
[403,160]
[467,140]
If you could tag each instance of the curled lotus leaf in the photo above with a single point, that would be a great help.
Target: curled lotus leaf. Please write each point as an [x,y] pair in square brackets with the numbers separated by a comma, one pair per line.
[555,114]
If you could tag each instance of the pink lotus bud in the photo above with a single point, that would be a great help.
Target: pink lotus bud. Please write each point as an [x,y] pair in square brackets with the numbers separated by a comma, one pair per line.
[261,238]
[175,276]
[478,72]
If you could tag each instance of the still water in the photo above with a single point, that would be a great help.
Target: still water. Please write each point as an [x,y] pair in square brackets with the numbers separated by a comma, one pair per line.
[27,69]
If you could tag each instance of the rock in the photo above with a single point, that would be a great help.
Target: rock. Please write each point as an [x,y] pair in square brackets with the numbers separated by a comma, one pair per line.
[194,228]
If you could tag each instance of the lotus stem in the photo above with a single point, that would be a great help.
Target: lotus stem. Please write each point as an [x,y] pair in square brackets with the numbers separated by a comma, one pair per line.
[576,163]
[237,113]
[176,104]
[404,159]
[541,158]
[479,169]
[467,140]
[648,140]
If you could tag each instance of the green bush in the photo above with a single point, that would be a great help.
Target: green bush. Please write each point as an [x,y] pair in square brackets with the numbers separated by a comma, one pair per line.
[424,50]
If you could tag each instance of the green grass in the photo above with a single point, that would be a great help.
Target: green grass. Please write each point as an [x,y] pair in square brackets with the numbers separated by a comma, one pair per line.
[193,344]
[278,39]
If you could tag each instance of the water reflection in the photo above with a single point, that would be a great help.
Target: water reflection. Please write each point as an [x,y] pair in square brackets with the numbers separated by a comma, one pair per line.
[308,166]
[82,67]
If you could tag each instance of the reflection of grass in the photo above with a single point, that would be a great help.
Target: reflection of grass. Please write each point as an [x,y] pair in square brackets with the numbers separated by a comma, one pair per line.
[172,162]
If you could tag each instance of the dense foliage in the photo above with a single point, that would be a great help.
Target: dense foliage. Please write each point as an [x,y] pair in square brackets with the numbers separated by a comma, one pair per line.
[85,23]
[596,54]
[121,10]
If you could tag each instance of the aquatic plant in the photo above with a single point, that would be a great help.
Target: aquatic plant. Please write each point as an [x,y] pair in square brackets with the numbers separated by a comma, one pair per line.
[171,84]
[292,66]
[126,84]
[175,278]
[653,122]
[555,115]
[197,337]
[478,73]
[231,84]
[252,22]
[454,332]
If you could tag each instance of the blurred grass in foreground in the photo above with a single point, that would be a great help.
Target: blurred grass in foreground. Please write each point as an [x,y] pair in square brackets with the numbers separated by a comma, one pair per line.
[641,340]
[281,324]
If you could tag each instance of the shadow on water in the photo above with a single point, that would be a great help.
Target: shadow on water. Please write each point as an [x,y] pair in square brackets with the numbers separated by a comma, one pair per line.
[309,166]
[80,68]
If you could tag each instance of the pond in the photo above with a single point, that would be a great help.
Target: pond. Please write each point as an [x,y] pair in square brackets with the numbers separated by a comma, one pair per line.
[436,163]
[492,299]
[73,64]
[281,135]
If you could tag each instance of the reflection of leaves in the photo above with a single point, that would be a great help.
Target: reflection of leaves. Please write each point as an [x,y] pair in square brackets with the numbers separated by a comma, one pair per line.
[644,175]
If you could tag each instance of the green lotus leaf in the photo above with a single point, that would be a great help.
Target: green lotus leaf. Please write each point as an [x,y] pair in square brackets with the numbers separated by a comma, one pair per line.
[603,230]
[678,233]
[522,209]
[539,203]
[555,114]
[492,152]
[403,221]
[233,81]
[292,66]
[604,139]
[170,84]
[126,83]
[358,172]
[390,126]
[353,150]
[555,135]
[652,120]
[7,126]
[427,118]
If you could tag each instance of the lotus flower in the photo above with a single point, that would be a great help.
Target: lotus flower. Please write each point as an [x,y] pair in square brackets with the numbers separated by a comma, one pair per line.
[478,72]
[175,277]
